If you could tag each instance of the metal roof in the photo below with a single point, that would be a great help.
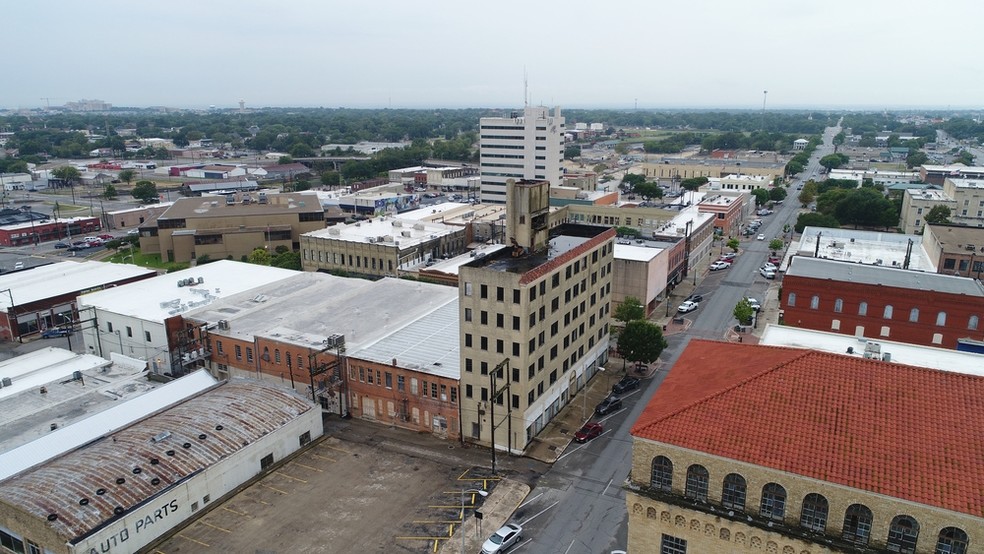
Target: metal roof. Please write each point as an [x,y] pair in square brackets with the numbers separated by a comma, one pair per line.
[57,279]
[817,268]
[167,448]
[428,344]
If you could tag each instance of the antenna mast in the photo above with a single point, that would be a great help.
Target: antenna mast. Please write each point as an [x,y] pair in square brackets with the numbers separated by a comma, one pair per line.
[526,90]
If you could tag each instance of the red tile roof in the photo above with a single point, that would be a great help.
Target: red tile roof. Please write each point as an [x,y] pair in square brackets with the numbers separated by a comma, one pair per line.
[902,431]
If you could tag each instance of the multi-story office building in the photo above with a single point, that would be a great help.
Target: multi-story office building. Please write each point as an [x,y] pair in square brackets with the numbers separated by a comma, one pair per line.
[533,321]
[525,145]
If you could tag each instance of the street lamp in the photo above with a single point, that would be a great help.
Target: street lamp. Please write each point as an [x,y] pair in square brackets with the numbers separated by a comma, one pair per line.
[462,529]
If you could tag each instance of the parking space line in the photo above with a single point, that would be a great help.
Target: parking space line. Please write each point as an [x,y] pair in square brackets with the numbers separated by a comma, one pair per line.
[272,488]
[193,540]
[203,522]
[538,514]
[334,448]
[435,521]
[309,467]
[226,508]
[290,477]
[323,457]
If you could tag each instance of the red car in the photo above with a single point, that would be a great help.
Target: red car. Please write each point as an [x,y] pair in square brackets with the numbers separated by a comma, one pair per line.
[106,237]
[588,432]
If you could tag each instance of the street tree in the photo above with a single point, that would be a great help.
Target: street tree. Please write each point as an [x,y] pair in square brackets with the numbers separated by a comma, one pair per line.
[145,191]
[641,341]
[733,244]
[109,193]
[761,196]
[629,309]
[259,256]
[127,175]
[631,180]
[775,245]
[743,312]
[833,161]
[964,157]
[624,231]
[815,220]
[68,174]
[793,167]
[649,190]
[693,183]
[809,193]
[938,215]
[777,194]
[915,159]
[572,151]
[284,160]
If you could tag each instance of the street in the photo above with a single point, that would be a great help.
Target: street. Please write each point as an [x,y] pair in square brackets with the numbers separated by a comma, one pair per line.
[578,505]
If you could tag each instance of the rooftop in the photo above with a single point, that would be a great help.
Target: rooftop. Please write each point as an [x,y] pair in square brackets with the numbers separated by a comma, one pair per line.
[195,432]
[957,239]
[63,278]
[396,231]
[451,266]
[952,168]
[635,252]
[142,208]
[211,206]
[968,183]
[865,247]
[428,344]
[310,306]
[933,195]
[891,429]
[161,297]
[563,239]
[881,275]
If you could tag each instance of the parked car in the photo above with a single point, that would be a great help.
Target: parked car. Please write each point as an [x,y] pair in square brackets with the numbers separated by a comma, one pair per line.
[625,384]
[695,298]
[774,260]
[77,248]
[769,266]
[89,239]
[767,273]
[588,432]
[730,256]
[94,243]
[506,536]
[608,405]
[754,303]
[106,237]
[760,237]
[81,243]
[55,332]
[133,232]
[62,245]
[718,265]
[688,306]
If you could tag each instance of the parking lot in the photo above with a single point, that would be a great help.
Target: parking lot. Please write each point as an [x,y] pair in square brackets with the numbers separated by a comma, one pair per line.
[371,494]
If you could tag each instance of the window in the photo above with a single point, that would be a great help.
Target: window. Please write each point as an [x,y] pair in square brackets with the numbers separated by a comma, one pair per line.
[696,483]
[389,380]
[952,541]
[672,545]
[839,305]
[147,336]
[791,299]
[239,352]
[276,356]
[11,542]
[815,302]
[662,474]
[129,332]
[973,322]
[401,383]
[941,319]
[863,308]
[304,438]
[109,326]
[887,314]
[266,461]
[733,493]
[902,535]
[914,315]
[468,314]
[857,524]
[813,516]
[773,502]
[249,354]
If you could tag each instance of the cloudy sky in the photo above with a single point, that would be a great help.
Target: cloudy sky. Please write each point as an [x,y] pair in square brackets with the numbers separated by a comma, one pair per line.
[422,53]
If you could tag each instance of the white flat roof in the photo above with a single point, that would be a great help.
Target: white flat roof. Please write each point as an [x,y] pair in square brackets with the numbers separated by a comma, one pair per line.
[428,212]
[142,208]
[395,227]
[40,367]
[635,253]
[428,344]
[452,265]
[902,353]
[63,278]
[101,424]
[160,297]
[865,247]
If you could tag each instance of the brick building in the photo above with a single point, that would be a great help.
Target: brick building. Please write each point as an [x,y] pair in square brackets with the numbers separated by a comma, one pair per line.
[882,302]
[766,449]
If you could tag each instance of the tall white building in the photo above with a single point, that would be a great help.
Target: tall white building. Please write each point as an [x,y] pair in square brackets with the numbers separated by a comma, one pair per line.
[528,145]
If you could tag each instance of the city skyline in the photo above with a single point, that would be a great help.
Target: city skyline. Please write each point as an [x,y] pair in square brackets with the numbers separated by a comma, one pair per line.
[580,54]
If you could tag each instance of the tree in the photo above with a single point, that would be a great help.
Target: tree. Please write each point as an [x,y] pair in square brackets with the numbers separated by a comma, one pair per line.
[777,194]
[641,341]
[287,259]
[964,157]
[629,309]
[631,180]
[939,214]
[284,160]
[127,175]
[761,196]
[572,151]
[808,194]
[301,184]
[916,159]
[743,312]
[693,183]
[733,244]
[649,190]
[815,220]
[775,245]
[330,179]
[833,161]
[109,193]
[259,256]
[624,231]
[145,192]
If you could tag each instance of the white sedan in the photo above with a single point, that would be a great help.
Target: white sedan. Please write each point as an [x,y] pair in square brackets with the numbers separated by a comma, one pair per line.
[502,539]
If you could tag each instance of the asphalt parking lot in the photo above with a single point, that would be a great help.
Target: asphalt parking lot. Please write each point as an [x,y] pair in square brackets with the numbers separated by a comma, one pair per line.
[360,489]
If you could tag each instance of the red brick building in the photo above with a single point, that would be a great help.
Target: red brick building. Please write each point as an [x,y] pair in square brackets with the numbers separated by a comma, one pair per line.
[26,233]
[882,302]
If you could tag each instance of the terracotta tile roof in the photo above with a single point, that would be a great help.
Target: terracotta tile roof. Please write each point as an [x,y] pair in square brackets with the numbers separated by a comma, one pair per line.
[902,431]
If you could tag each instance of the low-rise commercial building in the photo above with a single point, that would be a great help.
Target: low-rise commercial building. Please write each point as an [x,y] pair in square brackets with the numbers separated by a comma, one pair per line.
[133,218]
[955,249]
[669,169]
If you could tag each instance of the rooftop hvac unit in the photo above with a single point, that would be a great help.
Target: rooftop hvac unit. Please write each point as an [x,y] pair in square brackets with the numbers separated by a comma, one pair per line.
[6,382]
[418,226]
[405,234]
[201,280]
[223,324]
[371,240]
[397,223]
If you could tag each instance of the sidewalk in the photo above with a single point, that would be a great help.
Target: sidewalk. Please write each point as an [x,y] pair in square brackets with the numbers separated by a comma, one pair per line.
[497,509]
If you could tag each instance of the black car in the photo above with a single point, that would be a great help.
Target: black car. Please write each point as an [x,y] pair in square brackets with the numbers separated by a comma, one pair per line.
[695,298]
[625,384]
[608,405]
[61,245]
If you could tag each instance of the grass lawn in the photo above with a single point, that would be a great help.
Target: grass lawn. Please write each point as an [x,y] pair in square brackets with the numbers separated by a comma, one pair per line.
[144,260]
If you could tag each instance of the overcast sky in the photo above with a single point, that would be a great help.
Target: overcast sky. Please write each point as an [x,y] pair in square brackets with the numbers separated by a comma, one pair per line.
[420,53]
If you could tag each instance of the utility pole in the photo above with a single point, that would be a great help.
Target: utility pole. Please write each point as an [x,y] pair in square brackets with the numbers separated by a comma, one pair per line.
[765,94]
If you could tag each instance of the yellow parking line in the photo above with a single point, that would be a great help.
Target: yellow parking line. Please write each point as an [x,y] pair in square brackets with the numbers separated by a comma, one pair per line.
[272,488]
[324,458]
[265,503]
[310,467]
[192,540]
[233,511]
[335,448]
[290,477]
[435,521]
[203,522]
[421,538]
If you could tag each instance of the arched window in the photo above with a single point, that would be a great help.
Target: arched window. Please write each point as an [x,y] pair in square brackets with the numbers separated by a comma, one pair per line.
[941,319]
[815,302]
[813,516]
[902,535]
[863,308]
[696,483]
[791,299]
[662,477]
[857,524]
[914,315]
[773,502]
[839,305]
[733,494]
[888,312]
[952,541]
[973,322]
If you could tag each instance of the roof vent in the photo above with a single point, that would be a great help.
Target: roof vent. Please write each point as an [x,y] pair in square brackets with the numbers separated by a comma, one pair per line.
[160,436]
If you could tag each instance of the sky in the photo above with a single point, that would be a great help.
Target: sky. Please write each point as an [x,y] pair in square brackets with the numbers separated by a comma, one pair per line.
[871,54]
